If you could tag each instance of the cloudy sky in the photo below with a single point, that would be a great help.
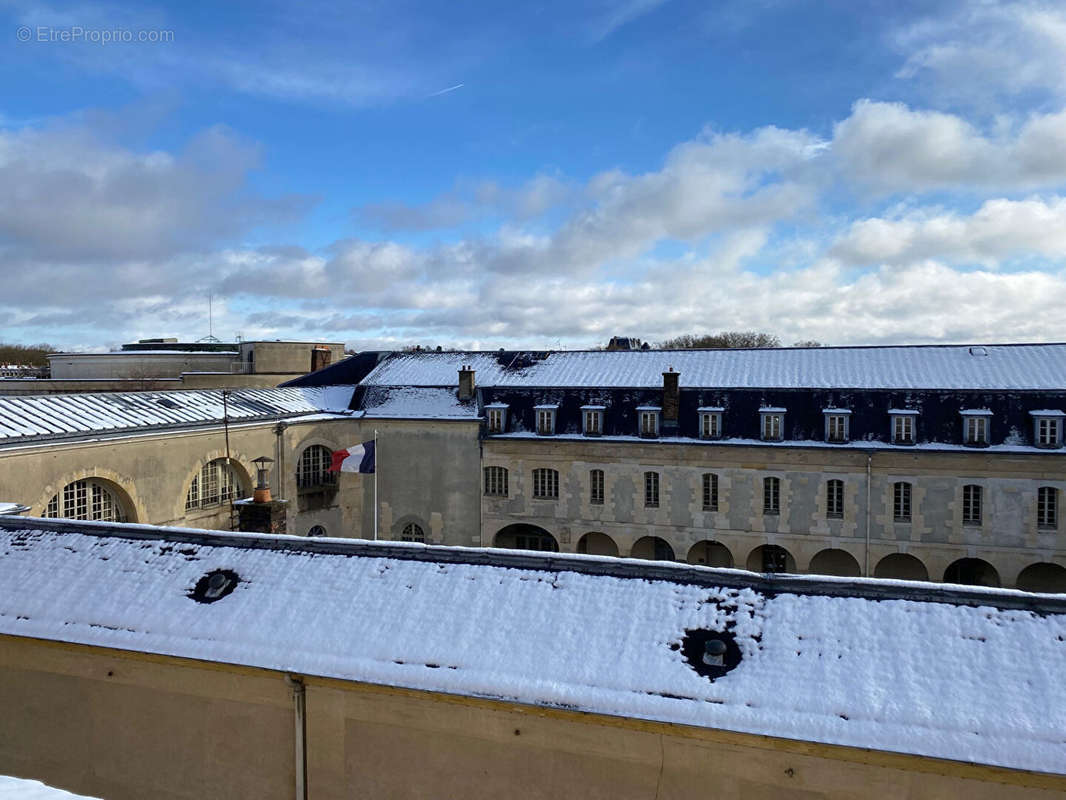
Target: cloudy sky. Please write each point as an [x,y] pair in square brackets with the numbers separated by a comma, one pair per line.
[544,174]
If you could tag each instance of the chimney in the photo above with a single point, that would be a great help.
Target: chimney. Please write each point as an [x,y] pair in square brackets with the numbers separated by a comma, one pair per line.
[261,513]
[466,382]
[671,398]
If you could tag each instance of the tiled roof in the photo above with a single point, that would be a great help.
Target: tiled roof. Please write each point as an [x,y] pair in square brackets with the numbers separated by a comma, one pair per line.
[972,675]
[31,417]
[1001,367]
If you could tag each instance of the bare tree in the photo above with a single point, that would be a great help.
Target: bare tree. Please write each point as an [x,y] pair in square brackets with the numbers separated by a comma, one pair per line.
[725,339]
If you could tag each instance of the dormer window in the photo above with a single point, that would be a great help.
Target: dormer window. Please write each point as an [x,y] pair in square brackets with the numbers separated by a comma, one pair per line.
[836,424]
[904,423]
[773,423]
[545,419]
[975,424]
[592,420]
[648,417]
[1047,427]
[497,417]
[711,422]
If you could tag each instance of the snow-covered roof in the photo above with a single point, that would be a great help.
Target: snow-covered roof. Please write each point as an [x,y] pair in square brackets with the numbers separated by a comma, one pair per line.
[29,417]
[972,675]
[416,402]
[1006,367]
[21,789]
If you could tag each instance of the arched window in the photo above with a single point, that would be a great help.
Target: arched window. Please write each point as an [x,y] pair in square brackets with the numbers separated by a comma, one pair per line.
[312,470]
[216,483]
[546,484]
[834,498]
[86,499]
[317,530]
[412,533]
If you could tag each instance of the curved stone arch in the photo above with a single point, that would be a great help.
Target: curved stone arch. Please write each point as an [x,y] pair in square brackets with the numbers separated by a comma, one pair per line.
[312,437]
[597,543]
[512,532]
[237,460]
[710,553]
[409,519]
[125,490]
[1042,576]
[972,572]
[835,561]
[653,548]
[760,558]
[902,567]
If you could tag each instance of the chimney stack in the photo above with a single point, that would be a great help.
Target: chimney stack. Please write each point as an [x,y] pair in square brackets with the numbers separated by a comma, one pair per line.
[671,396]
[466,382]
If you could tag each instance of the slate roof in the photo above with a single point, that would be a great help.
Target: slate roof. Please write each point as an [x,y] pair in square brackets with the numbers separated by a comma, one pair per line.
[33,417]
[1020,367]
[948,672]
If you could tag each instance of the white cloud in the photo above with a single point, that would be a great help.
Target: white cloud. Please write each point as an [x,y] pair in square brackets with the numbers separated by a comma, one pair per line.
[1000,230]
[981,51]
[888,147]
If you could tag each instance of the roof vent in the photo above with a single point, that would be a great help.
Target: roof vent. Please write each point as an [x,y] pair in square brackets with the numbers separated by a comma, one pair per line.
[978,351]
[166,402]
[711,653]
[214,586]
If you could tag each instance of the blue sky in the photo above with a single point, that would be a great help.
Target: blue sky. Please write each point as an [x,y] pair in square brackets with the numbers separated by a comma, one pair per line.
[488,174]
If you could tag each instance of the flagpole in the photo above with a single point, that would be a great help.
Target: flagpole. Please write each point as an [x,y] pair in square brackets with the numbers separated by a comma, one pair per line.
[376,463]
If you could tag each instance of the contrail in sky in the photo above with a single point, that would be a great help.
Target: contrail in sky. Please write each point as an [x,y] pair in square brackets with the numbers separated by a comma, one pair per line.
[449,89]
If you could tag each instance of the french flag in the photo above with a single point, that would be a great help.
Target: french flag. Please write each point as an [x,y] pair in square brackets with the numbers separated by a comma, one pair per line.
[359,458]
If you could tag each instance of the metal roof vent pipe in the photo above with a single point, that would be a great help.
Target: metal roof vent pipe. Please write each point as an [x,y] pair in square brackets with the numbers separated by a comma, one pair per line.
[671,397]
[466,382]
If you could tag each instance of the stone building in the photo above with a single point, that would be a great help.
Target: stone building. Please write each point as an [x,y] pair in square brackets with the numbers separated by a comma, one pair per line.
[938,463]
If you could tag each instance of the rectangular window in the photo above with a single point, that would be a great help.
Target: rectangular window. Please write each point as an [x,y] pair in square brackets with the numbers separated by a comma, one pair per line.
[901,501]
[771,427]
[651,489]
[771,496]
[710,425]
[545,421]
[836,427]
[710,491]
[976,430]
[545,484]
[649,423]
[1047,431]
[834,499]
[971,504]
[495,481]
[903,429]
[593,422]
[1047,507]
[496,420]
[596,487]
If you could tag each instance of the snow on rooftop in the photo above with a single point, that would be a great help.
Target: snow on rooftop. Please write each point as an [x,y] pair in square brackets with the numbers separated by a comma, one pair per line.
[972,683]
[1006,367]
[42,416]
[416,402]
[21,789]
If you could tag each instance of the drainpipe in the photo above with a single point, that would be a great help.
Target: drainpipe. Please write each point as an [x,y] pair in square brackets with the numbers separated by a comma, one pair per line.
[299,707]
[869,469]
[279,458]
